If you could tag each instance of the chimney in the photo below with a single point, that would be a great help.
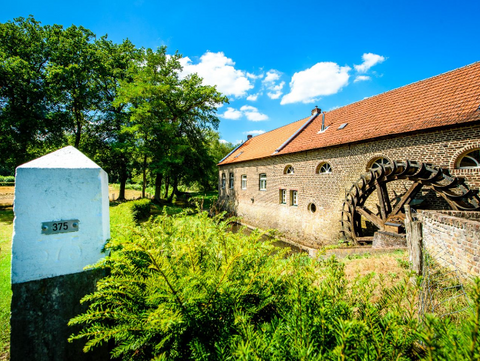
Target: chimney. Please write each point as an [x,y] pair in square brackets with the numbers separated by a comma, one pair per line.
[249,136]
[316,110]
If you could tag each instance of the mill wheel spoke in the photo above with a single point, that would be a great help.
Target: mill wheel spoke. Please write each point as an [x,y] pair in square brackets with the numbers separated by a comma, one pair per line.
[383,200]
[371,217]
[407,197]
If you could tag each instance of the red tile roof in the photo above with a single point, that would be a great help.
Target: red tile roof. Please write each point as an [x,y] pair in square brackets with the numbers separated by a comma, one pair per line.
[447,99]
[265,144]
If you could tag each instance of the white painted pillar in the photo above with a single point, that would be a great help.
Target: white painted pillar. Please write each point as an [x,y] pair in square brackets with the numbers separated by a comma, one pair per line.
[61,225]
[50,191]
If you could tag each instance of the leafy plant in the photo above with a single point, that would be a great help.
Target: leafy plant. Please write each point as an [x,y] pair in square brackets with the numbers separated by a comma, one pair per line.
[183,288]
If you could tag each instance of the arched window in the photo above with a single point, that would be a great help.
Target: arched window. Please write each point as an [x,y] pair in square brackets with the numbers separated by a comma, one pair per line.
[470,160]
[289,170]
[224,181]
[377,163]
[324,168]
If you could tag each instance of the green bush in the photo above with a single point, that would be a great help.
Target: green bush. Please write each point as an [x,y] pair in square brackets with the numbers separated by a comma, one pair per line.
[183,288]
[6,180]
[138,210]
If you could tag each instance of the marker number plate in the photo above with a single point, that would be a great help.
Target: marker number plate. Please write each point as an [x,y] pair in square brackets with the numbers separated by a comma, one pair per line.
[55,227]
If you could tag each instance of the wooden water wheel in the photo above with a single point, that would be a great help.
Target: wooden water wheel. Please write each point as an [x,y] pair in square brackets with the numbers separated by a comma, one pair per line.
[387,210]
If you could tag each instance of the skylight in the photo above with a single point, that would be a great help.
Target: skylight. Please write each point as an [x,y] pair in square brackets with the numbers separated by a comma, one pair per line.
[342,126]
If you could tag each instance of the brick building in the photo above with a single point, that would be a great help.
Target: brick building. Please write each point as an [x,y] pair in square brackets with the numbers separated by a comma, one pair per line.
[297,178]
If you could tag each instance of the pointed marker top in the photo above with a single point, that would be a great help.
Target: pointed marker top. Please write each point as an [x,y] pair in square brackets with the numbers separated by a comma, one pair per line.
[68,157]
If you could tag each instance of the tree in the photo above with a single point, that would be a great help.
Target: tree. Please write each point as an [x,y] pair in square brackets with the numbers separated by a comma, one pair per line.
[109,139]
[168,114]
[24,107]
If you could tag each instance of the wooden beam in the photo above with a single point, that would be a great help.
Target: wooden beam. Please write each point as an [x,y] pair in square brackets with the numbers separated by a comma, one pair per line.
[371,217]
[407,197]
[383,200]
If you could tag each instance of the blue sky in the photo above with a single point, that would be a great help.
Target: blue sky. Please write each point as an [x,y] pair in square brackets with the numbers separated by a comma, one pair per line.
[277,60]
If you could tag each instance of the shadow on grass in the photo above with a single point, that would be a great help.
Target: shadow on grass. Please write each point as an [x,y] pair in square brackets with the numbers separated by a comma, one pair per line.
[6,215]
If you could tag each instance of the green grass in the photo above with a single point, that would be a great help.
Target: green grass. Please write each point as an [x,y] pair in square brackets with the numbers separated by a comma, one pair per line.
[6,228]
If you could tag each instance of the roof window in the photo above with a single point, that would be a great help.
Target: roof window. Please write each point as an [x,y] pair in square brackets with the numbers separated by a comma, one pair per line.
[342,126]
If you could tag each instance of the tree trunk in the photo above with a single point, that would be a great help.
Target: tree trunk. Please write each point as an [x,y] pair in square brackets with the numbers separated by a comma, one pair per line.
[144,183]
[78,131]
[174,190]
[123,181]
[158,186]
[167,186]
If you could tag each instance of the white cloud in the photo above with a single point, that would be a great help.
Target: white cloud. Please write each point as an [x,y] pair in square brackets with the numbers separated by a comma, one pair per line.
[253,97]
[361,78]
[272,76]
[253,114]
[217,69]
[254,132]
[369,60]
[325,78]
[232,113]
[274,90]
[223,141]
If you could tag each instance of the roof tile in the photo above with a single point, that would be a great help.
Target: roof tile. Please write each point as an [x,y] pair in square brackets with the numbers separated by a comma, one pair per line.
[447,99]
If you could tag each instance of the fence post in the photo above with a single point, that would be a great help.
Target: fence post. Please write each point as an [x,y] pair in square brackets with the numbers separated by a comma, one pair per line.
[414,241]
[61,225]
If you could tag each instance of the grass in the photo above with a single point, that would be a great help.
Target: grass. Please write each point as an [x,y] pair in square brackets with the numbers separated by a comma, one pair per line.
[6,228]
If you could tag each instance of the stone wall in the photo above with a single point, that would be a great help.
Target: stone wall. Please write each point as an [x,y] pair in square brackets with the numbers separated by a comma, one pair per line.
[454,232]
[262,208]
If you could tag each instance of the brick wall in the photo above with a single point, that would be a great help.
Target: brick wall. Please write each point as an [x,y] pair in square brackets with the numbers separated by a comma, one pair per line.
[261,208]
[456,236]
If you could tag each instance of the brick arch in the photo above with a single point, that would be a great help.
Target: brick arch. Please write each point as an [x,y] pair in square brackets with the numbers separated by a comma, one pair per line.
[374,158]
[460,153]
[320,165]
[287,168]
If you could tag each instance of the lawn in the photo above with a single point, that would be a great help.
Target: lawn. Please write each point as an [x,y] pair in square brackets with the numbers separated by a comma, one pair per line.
[6,228]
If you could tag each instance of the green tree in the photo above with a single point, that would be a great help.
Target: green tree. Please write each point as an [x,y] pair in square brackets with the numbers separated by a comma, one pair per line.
[168,114]
[25,126]
[72,76]
[108,139]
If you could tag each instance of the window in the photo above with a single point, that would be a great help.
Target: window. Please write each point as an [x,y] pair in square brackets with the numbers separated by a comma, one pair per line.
[224,182]
[470,160]
[324,168]
[294,198]
[283,196]
[288,170]
[312,208]
[377,163]
[244,181]
[263,182]
[230,181]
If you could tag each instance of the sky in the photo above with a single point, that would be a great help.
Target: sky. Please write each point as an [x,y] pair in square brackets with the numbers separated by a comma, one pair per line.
[277,60]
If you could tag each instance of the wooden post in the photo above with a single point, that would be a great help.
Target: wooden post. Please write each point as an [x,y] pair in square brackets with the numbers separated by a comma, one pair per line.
[414,241]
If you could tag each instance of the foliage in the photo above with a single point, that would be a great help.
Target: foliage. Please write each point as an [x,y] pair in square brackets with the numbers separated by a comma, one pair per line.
[125,107]
[182,288]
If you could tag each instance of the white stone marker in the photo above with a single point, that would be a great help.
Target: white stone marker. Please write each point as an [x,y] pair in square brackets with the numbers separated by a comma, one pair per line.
[61,215]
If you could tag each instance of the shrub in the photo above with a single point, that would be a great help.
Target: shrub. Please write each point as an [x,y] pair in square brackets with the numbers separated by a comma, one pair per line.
[7,180]
[182,288]
[138,210]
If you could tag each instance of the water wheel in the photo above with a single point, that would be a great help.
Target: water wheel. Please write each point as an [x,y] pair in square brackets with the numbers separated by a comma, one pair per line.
[385,212]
